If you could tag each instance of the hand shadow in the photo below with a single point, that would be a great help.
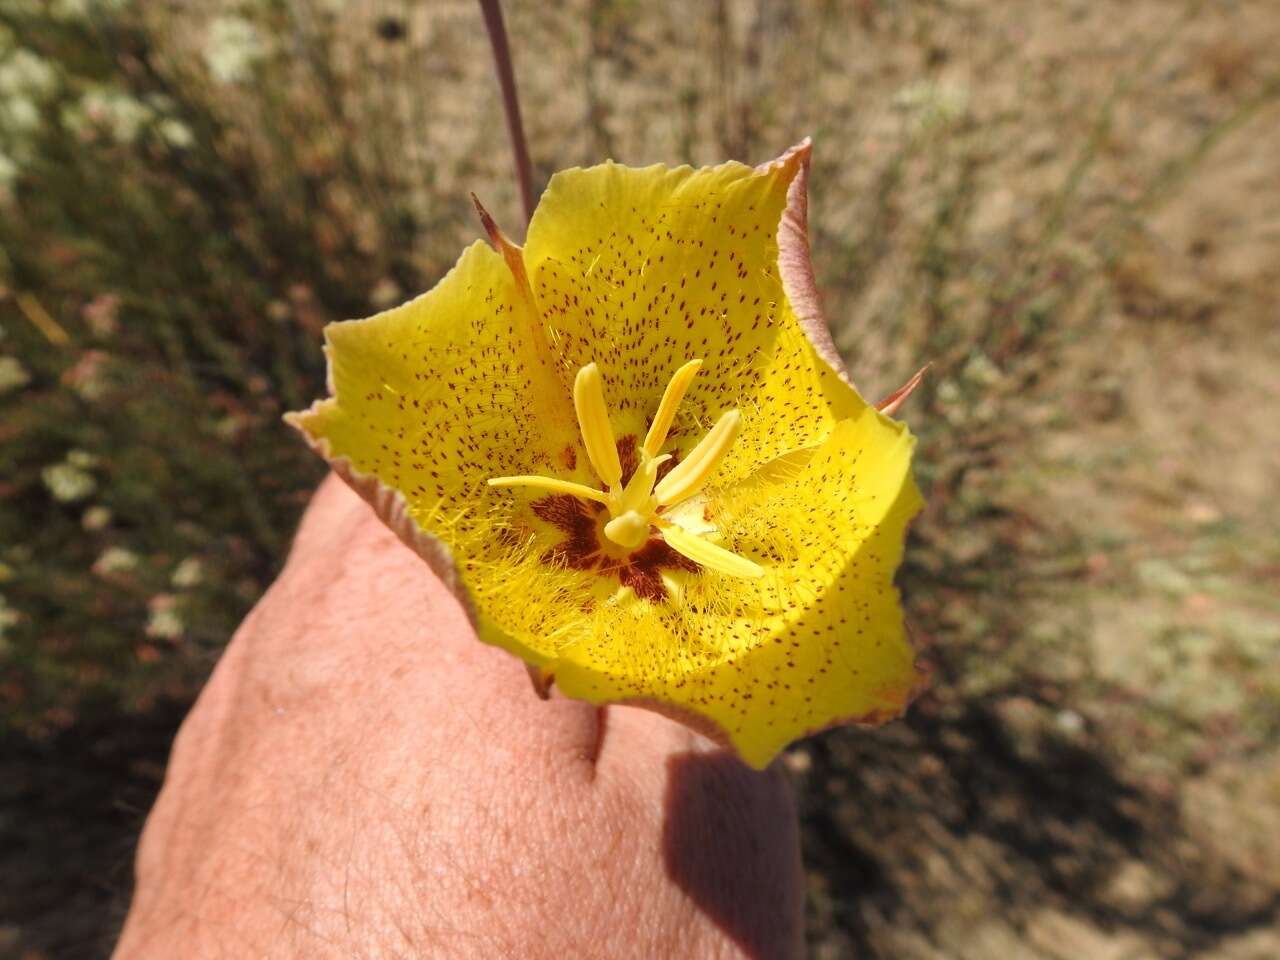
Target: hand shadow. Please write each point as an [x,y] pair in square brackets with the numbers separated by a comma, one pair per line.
[731,843]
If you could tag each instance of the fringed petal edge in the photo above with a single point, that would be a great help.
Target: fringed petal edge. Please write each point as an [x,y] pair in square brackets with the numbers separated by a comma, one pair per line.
[795,265]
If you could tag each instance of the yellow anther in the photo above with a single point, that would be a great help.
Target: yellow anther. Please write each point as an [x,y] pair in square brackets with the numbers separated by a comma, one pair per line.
[629,531]
[634,509]
[552,485]
[671,398]
[593,421]
[705,553]
[692,473]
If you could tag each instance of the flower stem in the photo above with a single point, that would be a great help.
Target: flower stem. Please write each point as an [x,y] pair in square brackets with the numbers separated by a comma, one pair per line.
[510,101]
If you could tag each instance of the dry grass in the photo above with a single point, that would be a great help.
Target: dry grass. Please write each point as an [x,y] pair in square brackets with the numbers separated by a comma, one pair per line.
[1070,207]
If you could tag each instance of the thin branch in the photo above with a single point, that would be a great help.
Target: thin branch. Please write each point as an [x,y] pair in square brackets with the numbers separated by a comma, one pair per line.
[510,101]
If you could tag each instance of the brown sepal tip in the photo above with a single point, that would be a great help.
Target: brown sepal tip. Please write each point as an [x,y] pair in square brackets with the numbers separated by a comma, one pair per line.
[542,680]
[890,404]
[497,238]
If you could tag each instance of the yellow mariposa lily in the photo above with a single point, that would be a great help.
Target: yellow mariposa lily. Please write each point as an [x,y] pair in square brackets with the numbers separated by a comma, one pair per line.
[631,449]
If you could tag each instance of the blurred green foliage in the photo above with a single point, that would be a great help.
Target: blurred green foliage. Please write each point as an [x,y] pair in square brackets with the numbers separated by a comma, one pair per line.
[161,308]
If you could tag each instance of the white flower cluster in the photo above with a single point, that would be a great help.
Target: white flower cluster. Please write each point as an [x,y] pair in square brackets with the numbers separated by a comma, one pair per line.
[26,79]
[96,518]
[30,85]
[13,375]
[165,619]
[187,574]
[71,480]
[114,561]
[27,83]
[232,49]
[67,482]
[123,117]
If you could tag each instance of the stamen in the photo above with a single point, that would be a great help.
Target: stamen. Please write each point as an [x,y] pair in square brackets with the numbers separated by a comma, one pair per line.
[707,554]
[692,473]
[628,531]
[633,509]
[671,398]
[593,421]
[552,485]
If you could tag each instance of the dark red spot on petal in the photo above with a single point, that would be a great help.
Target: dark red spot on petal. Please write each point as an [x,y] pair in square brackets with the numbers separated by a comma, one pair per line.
[580,549]
[646,583]
[628,456]
[656,553]
[641,570]
[577,518]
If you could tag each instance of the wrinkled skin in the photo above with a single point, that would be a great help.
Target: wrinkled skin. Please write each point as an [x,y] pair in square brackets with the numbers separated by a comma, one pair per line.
[362,778]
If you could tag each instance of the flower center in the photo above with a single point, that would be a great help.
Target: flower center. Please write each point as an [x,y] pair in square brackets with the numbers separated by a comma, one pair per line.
[636,507]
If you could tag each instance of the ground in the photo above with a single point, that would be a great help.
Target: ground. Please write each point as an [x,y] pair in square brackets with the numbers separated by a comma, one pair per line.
[1072,209]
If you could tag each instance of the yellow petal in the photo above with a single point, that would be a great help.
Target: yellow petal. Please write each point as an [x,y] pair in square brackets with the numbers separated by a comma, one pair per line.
[437,396]
[642,269]
[817,640]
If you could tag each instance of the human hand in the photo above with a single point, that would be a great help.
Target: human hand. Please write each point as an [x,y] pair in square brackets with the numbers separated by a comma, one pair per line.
[363,778]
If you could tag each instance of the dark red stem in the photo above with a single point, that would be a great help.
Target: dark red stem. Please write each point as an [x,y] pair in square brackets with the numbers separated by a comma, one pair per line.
[510,101]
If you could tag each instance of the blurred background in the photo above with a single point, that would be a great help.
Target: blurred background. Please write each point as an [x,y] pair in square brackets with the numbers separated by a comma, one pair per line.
[1072,207]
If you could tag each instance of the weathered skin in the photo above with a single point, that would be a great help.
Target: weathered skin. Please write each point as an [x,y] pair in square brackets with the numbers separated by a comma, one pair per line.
[362,777]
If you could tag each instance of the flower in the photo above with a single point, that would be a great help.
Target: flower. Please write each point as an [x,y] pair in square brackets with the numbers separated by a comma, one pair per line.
[114,561]
[232,49]
[96,518]
[68,482]
[189,573]
[176,134]
[13,375]
[631,449]
[112,112]
[164,619]
[27,74]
